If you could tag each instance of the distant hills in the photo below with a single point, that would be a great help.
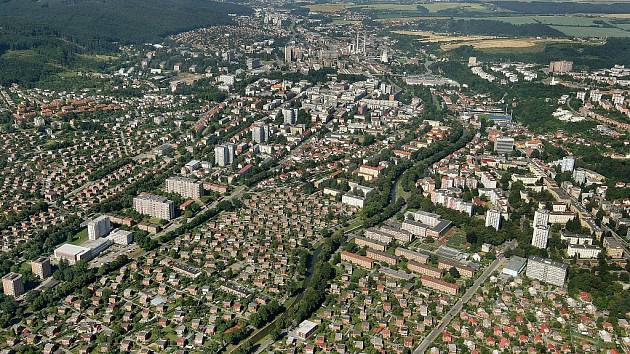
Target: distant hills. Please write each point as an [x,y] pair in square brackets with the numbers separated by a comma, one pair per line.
[118,20]
[42,38]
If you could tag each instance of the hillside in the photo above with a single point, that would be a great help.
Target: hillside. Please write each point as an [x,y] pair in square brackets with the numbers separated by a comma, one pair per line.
[119,20]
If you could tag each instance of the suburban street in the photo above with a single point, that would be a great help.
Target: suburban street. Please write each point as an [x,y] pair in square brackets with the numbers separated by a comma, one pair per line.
[424,345]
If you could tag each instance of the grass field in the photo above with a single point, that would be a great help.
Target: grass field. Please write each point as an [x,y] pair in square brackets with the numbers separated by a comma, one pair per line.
[327,8]
[80,237]
[439,6]
[592,31]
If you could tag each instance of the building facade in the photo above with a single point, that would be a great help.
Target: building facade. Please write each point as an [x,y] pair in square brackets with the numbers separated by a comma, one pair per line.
[154,206]
[186,187]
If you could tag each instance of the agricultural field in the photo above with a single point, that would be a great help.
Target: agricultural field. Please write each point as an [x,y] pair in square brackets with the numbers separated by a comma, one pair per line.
[441,6]
[327,8]
[577,31]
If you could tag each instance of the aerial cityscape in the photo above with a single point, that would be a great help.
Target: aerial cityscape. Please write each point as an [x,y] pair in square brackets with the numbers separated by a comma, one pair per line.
[275,176]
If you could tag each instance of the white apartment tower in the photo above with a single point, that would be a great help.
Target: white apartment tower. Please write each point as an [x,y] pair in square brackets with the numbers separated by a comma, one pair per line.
[493,218]
[540,236]
[99,227]
[541,217]
[546,270]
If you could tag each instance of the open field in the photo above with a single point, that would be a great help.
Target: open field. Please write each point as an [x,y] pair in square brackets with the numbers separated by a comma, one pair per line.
[576,31]
[499,44]
[439,6]
[327,8]
[432,37]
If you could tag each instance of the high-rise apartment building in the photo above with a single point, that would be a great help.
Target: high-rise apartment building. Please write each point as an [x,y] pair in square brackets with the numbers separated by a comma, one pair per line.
[290,115]
[186,187]
[546,270]
[99,227]
[12,284]
[41,267]
[540,236]
[224,154]
[260,133]
[154,205]
[560,66]
[493,218]
[541,217]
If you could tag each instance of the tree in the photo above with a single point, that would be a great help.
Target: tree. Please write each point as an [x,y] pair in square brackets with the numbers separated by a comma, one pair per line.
[454,272]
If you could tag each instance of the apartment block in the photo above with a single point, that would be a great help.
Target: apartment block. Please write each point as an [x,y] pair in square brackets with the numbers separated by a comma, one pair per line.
[373,244]
[439,285]
[99,227]
[154,206]
[424,269]
[546,270]
[412,255]
[381,257]
[186,187]
[359,260]
[41,267]
[12,284]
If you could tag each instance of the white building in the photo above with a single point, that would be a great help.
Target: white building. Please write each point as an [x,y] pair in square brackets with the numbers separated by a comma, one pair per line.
[540,237]
[99,227]
[224,154]
[186,187]
[121,237]
[546,270]
[493,218]
[583,251]
[541,217]
[154,206]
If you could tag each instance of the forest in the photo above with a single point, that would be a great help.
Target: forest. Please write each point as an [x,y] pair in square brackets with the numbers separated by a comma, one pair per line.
[41,39]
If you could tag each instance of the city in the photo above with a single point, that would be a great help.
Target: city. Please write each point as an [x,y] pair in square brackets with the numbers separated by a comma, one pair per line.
[306,177]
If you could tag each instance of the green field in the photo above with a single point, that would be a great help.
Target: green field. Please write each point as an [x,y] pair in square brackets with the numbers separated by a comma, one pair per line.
[576,31]
[80,237]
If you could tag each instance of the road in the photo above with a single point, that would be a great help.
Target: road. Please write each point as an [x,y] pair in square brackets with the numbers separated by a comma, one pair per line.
[454,311]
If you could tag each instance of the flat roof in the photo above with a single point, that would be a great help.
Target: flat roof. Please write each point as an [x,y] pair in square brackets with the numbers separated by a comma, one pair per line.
[516,263]
[70,249]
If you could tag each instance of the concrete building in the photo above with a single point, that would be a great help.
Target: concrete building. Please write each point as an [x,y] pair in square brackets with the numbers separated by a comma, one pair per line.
[546,270]
[305,329]
[121,237]
[359,260]
[540,236]
[560,66]
[614,248]
[515,266]
[583,251]
[224,154]
[186,187]
[72,253]
[493,218]
[575,239]
[541,217]
[12,284]
[154,205]
[260,133]
[99,227]
[41,267]
[290,115]
[504,145]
